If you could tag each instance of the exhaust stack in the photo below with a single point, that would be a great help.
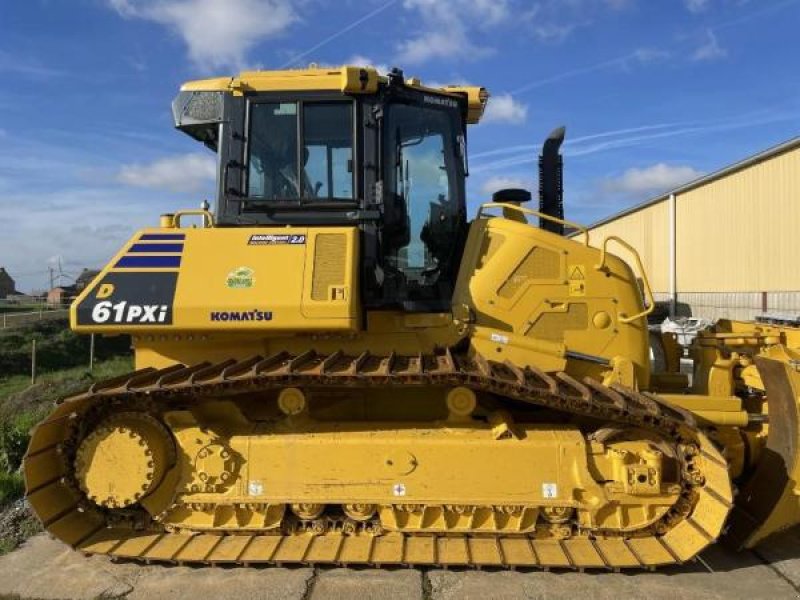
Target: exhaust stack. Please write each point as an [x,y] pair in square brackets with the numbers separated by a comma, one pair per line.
[551,181]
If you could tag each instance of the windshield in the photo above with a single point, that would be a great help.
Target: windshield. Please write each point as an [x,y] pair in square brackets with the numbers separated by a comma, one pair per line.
[300,151]
[423,174]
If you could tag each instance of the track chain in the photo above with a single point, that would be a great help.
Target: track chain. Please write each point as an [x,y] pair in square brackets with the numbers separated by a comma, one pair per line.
[695,521]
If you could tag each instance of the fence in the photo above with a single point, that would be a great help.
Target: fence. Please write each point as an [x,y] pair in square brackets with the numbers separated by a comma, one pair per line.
[34,371]
[15,319]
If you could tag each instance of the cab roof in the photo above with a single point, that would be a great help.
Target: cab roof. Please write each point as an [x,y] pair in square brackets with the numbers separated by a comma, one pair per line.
[346,79]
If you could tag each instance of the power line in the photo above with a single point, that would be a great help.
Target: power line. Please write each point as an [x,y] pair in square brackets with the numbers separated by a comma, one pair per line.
[339,33]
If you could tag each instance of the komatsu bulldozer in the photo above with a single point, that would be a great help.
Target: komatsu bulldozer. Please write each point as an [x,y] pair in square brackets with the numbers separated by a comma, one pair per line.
[336,366]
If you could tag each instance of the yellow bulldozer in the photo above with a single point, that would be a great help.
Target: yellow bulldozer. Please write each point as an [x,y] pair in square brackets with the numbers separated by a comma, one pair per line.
[336,366]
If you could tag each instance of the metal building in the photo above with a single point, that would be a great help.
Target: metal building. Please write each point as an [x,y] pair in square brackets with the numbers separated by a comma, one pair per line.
[726,245]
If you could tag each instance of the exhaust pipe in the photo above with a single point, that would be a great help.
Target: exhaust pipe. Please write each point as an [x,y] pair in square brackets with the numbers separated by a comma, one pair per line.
[551,181]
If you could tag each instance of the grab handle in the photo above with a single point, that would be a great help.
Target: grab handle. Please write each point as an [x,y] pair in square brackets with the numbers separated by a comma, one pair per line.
[651,303]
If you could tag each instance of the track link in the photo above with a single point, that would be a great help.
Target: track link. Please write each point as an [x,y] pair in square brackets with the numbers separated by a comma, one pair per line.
[695,521]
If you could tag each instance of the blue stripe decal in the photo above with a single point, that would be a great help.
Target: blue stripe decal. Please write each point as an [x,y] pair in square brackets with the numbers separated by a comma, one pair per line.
[162,236]
[155,262]
[178,248]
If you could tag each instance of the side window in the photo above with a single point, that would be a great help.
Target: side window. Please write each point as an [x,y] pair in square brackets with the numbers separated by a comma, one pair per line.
[323,169]
[272,168]
[328,154]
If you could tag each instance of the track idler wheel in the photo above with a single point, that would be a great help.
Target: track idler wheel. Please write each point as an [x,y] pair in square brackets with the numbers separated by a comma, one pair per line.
[360,512]
[308,511]
[123,459]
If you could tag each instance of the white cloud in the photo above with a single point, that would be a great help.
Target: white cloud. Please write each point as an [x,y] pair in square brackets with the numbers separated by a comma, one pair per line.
[710,50]
[696,6]
[217,34]
[447,28]
[437,45]
[362,61]
[491,185]
[650,180]
[182,173]
[554,32]
[79,224]
[650,55]
[504,108]
[552,21]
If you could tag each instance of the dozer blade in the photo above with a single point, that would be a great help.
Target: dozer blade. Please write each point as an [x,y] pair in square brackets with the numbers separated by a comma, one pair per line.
[769,501]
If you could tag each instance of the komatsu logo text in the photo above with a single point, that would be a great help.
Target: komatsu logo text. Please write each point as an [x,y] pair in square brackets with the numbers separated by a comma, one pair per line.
[241,315]
[123,312]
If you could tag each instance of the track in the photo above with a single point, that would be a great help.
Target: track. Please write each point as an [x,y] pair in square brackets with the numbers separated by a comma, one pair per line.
[695,521]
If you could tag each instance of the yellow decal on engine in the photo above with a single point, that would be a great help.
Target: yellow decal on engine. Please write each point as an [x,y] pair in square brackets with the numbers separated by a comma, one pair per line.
[243,277]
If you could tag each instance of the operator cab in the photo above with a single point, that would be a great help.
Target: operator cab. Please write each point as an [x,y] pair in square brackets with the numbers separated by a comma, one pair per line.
[346,147]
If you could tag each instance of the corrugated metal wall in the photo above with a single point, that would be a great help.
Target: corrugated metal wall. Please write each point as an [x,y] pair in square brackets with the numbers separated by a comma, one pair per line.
[737,241]
[647,230]
[746,228]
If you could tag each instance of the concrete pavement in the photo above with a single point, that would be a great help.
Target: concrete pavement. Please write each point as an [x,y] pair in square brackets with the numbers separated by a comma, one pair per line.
[46,569]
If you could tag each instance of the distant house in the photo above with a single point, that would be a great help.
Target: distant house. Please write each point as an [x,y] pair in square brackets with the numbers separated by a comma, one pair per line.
[64,294]
[85,278]
[7,284]
[61,295]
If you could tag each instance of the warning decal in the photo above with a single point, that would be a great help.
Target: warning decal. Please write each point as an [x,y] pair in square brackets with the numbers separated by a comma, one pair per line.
[577,273]
[577,280]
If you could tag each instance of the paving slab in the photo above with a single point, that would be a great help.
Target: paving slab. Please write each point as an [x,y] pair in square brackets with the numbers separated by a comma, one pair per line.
[46,569]
[782,552]
[721,574]
[367,584]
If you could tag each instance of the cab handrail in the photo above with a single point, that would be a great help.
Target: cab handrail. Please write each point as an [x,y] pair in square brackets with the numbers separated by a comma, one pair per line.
[601,266]
[208,218]
[535,213]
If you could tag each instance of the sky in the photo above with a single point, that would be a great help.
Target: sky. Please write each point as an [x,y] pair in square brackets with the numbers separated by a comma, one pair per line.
[653,93]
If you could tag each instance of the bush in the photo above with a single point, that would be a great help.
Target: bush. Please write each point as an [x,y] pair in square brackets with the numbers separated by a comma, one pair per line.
[11,487]
[13,443]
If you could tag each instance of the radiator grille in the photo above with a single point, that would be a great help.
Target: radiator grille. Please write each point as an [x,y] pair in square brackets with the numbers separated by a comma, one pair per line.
[551,326]
[539,264]
[329,264]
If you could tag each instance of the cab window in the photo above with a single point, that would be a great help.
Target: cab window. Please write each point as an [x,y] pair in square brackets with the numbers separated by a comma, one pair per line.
[423,173]
[300,151]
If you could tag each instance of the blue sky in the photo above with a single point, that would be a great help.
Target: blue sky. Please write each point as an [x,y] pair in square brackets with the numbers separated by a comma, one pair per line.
[653,93]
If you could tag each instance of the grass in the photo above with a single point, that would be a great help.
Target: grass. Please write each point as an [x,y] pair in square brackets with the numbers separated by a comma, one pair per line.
[23,405]
[57,347]
[62,358]
[69,380]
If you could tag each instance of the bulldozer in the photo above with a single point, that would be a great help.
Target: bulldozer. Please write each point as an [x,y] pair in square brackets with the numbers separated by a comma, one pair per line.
[335,365]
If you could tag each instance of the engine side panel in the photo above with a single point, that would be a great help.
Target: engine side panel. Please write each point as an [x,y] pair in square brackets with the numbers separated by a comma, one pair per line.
[218,279]
[535,297]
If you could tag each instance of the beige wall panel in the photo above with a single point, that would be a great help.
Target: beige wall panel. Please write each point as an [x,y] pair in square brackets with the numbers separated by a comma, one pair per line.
[741,233]
[647,230]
